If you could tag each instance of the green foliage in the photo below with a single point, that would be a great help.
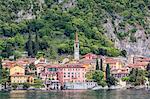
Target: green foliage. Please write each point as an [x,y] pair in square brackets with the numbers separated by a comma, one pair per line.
[55,28]
[137,77]
[125,79]
[14,85]
[123,53]
[32,66]
[132,38]
[97,76]
[4,77]
[26,85]
[17,54]
[101,64]
[122,35]
[38,83]
[111,81]
[30,46]
[148,71]
[56,25]
[1,68]
[97,65]
[148,67]
[107,71]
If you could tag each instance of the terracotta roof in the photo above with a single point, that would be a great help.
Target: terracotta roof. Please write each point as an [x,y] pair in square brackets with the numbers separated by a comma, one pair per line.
[87,61]
[120,71]
[110,60]
[70,65]
[90,55]
[138,65]
[41,64]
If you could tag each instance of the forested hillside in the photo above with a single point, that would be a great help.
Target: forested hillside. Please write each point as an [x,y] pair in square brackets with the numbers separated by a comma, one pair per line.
[107,27]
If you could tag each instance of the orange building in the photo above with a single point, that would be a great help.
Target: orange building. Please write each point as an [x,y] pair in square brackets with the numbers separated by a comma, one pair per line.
[113,63]
[17,75]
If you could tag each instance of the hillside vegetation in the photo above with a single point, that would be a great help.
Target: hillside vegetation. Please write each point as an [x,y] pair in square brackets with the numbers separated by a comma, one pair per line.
[52,24]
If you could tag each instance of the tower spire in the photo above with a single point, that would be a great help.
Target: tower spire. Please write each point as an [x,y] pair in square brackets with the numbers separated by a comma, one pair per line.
[76,37]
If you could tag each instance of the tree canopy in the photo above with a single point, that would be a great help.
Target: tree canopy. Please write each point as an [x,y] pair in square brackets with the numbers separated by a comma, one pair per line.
[55,23]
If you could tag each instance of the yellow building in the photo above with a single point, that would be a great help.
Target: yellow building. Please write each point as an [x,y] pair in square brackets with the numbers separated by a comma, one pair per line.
[18,78]
[17,75]
[89,64]
[17,69]
[113,63]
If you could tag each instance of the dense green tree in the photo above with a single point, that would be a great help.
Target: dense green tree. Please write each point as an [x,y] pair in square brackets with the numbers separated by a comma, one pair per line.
[111,81]
[137,77]
[97,76]
[148,71]
[56,23]
[148,67]
[38,83]
[1,68]
[29,46]
[97,65]
[101,64]
[36,44]
[5,77]
[32,66]
[7,51]
[107,71]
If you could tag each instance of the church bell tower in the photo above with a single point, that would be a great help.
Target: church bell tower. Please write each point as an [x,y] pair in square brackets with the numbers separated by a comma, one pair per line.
[76,47]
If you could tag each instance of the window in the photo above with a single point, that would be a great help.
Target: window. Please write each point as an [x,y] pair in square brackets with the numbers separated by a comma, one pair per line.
[64,74]
[68,74]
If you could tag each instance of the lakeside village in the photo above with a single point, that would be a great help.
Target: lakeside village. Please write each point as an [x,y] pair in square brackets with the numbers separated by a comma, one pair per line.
[89,71]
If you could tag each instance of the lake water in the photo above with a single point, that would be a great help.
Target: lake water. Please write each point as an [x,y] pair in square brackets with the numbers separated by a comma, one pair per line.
[77,94]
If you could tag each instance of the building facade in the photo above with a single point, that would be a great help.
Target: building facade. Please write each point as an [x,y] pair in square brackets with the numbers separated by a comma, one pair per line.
[71,73]
[65,73]
[17,75]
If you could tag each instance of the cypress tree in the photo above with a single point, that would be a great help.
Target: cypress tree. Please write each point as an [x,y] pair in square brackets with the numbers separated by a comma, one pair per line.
[107,72]
[148,67]
[30,45]
[1,68]
[36,44]
[97,65]
[101,64]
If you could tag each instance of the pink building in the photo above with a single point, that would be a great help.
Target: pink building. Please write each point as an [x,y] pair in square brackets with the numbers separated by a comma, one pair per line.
[71,73]
[120,73]
[65,73]
[140,65]
[50,72]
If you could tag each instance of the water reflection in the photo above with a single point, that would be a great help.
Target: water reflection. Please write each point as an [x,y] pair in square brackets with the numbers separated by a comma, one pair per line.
[77,94]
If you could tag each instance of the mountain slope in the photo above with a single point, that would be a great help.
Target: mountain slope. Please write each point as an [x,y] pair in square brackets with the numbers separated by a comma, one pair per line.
[102,26]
